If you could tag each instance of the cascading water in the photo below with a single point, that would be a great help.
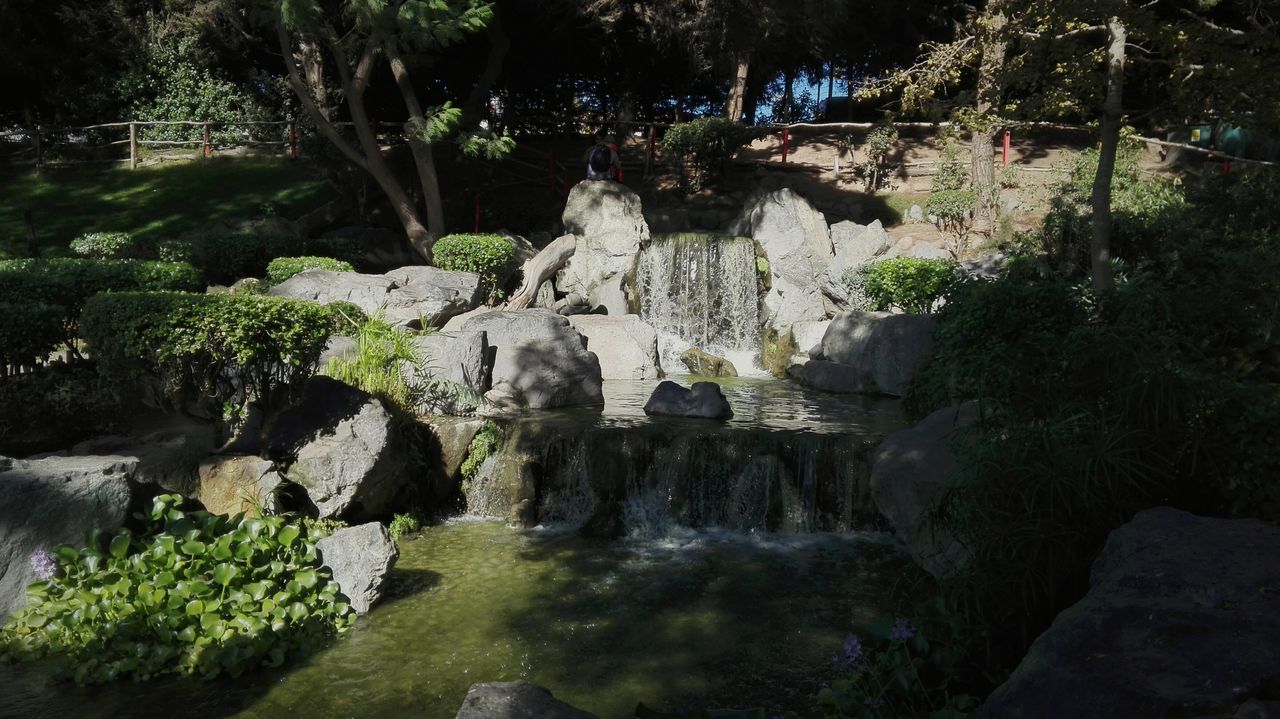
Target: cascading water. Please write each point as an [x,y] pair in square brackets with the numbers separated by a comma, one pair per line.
[700,289]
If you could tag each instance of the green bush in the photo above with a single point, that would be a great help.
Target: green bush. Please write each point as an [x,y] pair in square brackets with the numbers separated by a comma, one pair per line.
[209,346]
[105,245]
[910,283]
[487,441]
[706,144]
[29,333]
[55,407]
[282,268]
[403,525]
[195,593]
[488,255]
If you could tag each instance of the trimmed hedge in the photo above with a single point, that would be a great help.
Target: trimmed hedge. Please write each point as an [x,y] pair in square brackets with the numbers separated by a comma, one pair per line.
[105,245]
[29,332]
[211,346]
[282,268]
[487,255]
[225,257]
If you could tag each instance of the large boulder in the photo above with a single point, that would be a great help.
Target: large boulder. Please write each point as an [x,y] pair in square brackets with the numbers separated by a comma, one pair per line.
[703,401]
[607,220]
[910,471]
[360,558]
[626,345]
[539,360]
[425,296]
[808,336]
[51,501]
[1181,620]
[343,448]
[238,483]
[450,442]
[167,458]
[455,369]
[855,245]
[516,700]
[886,349]
[368,292]
[795,238]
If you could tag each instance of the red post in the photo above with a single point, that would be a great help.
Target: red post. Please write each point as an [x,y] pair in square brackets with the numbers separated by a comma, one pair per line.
[293,140]
[1226,167]
[208,143]
[1004,155]
[617,173]
[477,230]
[786,142]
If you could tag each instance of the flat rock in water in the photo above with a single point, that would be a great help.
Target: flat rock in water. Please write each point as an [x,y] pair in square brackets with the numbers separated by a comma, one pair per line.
[705,364]
[885,349]
[704,401]
[515,700]
[361,558]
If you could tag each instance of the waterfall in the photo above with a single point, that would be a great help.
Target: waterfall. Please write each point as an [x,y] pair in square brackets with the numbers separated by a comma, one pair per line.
[702,290]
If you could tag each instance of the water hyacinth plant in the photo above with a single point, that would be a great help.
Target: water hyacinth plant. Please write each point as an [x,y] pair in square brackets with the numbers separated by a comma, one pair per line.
[195,593]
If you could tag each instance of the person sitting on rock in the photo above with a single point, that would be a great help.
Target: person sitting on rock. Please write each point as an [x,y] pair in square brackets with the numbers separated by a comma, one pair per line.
[603,162]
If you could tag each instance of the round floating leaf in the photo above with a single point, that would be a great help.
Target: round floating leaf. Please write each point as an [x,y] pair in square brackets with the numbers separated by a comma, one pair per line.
[120,545]
[195,607]
[224,573]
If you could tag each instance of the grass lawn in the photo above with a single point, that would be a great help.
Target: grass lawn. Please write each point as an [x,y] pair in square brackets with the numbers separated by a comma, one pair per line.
[152,203]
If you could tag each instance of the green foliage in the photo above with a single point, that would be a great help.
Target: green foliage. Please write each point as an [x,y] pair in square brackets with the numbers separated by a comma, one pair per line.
[488,255]
[282,268]
[319,528]
[880,142]
[195,593]
[403,525]
[905,668]
[218,347]
[346,318]
[105,245]
[29,333]
[706,144]
[54,407]
[951,202]
[381,350]
[487,441]
[910,283]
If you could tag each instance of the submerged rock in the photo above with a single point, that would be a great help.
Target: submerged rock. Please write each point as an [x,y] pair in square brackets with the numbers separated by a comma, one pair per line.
[704,400]
[51,501]
[1181,620]
[516,700]
[706,364]
[361,558]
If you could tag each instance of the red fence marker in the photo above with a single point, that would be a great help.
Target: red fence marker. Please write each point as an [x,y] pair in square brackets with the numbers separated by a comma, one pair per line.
[208,144]
[786,142]
[1004,155]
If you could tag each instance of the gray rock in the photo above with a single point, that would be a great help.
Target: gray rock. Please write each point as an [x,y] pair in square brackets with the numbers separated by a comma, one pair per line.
[339,347]
[368,292]
[855,245]
[169,458]
[832,377]
[1181,620]
[539,361]
[915,214]
[51,501]
[704,400]
[572,304]
[705,364]
[450,442]
[796,241]
[607,219]
[516,700]
[926,251]
[910,471]
[342,447]
[808,336]
[626,345]
[455,370]
[611,296]
[457,323]
[361,558]
[986,267]
[546,298]
[429,296]
[886,348]
[238,483]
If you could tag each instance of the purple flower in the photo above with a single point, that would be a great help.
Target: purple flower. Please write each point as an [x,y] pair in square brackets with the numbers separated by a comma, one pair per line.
[43,564]
[901,630]
[852,653]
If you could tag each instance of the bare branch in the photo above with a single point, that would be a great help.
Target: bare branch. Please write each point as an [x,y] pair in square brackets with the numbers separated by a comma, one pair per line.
[303,92]
[1209,24]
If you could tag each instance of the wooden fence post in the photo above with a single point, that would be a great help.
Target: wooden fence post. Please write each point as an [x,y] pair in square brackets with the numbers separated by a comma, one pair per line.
[133,146]
[1004,153]
[36,145]
[648,155]
[208,143]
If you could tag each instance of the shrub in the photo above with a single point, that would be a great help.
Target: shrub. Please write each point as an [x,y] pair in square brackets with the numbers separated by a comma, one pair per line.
[376,366]
[910,283]
[282,268]
[402,525]
[195,593]
[219,347]
[952,202]
[487,441]
[54,407]
[29,333]
[488,255]
[706,144]
[105,245]
[880,142]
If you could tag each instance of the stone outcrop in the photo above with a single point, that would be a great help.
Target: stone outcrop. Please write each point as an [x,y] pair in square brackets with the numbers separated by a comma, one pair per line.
[607,220]
[1181,620]
[516,700]
[450,441]
[795,238]
[539,360]
[855,245]
[414,296]
[342,447]
[626,345]
[51,501]
[885,350]
[454,369]
[168,458]
[705,364]
[238,483]
[704,401]
[910,471]
[360,558]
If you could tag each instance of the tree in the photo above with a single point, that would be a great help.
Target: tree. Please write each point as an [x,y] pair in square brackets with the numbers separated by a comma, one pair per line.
[356,36]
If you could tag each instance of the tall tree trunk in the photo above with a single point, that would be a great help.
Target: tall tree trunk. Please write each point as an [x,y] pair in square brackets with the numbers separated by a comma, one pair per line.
[733,106]
[473,110]
[789,77]
[982,171]
[419,145]
[1112,108]
[311,61]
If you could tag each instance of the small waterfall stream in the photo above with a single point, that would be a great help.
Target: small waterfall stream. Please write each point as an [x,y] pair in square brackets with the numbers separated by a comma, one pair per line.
[700,289]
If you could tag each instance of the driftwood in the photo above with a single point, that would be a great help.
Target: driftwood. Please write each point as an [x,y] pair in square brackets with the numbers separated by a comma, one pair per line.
[540,268]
